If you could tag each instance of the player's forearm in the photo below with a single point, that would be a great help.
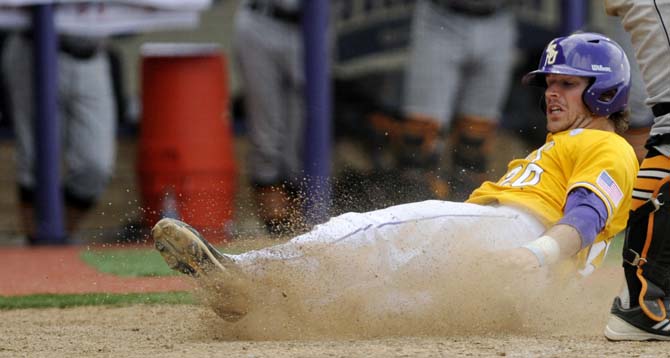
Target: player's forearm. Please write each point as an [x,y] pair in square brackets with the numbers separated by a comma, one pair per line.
[584,217]
[568,239]
[558,242]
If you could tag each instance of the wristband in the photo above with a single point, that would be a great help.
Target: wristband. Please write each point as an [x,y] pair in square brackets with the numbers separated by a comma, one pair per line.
[546,249]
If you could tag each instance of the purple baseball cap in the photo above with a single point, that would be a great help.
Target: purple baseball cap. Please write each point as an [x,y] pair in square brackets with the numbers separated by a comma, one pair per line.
[592,55]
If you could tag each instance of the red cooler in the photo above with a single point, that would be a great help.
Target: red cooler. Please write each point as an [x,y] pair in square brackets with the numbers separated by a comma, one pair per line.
[186,162]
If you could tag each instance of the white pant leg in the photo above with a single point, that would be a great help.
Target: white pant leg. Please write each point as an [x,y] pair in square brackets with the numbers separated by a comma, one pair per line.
[268,53]
[18,71]
[640,113]
[90,132]
[433,73]
[486,84]
[407,260]
[86,113]
[384,241]
[647,22]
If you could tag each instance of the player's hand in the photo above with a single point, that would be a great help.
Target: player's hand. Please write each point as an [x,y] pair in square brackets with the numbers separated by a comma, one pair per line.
[518,258]
[516,275]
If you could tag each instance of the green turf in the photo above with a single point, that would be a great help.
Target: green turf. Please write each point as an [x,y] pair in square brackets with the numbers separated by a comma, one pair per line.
[138,262]
[92,299]
[613,257]
[134,262]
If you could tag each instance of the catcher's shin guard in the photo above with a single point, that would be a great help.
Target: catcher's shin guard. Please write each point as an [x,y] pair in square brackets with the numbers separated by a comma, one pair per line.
[646,252]
[473,140]
[415,139]
[417,143]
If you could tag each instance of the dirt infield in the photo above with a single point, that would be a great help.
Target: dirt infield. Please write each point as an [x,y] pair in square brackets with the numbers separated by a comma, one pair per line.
[192,331]
[568,325]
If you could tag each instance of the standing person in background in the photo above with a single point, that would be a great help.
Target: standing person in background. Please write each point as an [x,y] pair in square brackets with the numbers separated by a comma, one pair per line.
[640,311]
[88,122]
[461,60]
[269,53]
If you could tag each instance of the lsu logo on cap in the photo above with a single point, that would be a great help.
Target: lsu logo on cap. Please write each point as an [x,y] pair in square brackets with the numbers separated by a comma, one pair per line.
[552,52]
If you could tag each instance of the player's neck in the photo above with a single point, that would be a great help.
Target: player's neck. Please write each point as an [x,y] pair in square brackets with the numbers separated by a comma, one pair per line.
[601,123]
[594,122]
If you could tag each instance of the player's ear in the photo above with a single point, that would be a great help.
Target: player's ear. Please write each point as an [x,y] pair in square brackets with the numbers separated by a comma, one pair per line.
[608,95]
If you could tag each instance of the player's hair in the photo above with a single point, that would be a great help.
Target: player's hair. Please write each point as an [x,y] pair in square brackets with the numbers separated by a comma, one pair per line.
[621,121]
[620,118]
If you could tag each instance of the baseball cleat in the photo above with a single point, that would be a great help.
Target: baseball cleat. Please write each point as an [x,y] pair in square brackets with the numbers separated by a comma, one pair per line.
[185,250]
[633,325]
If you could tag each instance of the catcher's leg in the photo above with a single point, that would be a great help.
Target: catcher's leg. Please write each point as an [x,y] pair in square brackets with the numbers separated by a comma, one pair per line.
[641,312]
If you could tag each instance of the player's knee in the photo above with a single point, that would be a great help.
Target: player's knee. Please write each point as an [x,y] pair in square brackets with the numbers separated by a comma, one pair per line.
[87,184]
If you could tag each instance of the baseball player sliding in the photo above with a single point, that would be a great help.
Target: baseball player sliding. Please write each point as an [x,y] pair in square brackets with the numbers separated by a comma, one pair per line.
[559,206]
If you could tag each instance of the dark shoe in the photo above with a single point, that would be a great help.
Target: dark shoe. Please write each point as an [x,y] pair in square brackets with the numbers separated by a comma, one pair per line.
[279,208]
[633,325]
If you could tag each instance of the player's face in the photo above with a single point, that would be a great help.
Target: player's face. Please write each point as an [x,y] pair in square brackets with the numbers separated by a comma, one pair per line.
[565,107]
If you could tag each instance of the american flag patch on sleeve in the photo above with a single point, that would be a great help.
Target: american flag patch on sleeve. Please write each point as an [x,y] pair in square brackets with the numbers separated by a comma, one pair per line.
[609,186]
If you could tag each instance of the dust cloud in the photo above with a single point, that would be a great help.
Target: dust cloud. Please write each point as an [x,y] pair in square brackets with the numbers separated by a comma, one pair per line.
[343,295]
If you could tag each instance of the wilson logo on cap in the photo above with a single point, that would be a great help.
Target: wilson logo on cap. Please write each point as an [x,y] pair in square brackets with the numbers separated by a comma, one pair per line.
[601,68]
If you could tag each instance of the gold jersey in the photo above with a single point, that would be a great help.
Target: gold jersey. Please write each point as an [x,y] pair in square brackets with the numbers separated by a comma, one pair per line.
[600,161]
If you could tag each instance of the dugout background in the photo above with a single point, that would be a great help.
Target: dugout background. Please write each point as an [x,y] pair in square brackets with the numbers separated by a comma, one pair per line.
[369,54]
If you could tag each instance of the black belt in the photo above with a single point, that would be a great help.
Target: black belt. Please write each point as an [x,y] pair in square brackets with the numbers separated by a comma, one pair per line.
[660,109]
[465,9]
[276,12]
[76,49]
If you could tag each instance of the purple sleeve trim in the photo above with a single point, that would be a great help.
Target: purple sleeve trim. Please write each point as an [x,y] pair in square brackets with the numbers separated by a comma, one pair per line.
[585,212]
